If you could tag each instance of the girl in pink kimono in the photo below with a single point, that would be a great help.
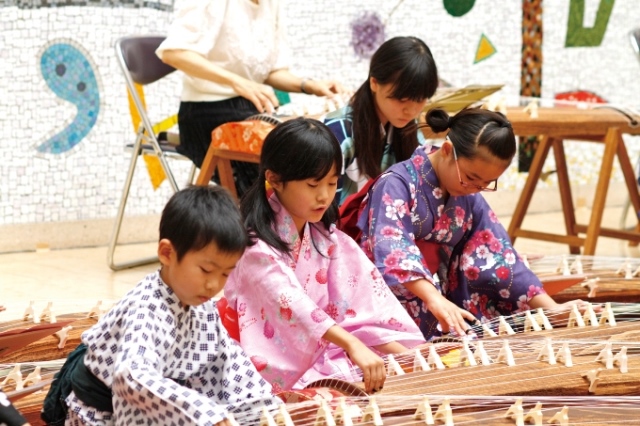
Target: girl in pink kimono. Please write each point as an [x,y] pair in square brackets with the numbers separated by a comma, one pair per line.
[309,304]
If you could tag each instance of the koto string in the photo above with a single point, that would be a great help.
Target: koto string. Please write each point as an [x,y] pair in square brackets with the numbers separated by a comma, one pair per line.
[517,342]
[607,410]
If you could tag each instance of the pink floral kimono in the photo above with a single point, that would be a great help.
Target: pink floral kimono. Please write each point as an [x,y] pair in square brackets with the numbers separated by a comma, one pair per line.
[285,304]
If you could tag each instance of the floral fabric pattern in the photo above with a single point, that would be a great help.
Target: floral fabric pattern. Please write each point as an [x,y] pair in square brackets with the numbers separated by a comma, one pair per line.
[478,268]
[286,303]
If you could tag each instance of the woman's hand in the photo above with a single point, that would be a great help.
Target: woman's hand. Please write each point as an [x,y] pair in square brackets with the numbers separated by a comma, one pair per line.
[261,95]
[372,366]
[196,65]
[327,88]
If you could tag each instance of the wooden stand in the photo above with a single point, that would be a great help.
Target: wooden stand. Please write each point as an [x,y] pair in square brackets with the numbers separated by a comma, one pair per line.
[554,125]
[221,158]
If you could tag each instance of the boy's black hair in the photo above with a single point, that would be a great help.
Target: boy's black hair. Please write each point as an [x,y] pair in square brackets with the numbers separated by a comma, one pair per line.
[197,216]
[298,149]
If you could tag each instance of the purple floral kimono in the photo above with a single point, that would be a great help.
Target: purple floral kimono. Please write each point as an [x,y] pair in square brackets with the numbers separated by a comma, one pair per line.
[479,270]
[285,304]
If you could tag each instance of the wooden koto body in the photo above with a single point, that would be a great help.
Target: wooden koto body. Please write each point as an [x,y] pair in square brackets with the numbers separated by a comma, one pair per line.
[596,279]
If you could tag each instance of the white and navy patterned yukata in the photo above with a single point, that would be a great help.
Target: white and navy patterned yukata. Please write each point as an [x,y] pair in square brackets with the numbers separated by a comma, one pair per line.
[167,364]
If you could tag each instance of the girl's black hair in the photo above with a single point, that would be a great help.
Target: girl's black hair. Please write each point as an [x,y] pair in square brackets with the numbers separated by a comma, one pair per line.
[474,127]
[298,149]
[197,216]
[407,64]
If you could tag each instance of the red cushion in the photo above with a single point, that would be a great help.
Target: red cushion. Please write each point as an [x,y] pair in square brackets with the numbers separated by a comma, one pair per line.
[229,318]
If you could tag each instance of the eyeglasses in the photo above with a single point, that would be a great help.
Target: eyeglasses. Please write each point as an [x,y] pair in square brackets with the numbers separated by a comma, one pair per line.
[493,185]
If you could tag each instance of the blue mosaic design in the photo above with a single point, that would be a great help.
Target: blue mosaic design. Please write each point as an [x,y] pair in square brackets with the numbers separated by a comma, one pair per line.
[70,75]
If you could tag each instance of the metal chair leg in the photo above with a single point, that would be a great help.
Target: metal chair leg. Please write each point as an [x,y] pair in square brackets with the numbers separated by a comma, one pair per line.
[192,174]
[113,241]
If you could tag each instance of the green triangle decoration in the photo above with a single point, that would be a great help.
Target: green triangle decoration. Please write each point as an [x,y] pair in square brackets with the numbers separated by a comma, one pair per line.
[485,49]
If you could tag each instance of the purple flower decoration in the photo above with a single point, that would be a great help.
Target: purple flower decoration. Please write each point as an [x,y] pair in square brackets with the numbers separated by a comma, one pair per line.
[367,34]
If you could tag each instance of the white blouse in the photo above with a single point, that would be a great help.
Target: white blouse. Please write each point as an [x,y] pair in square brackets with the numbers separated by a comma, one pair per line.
[238,35]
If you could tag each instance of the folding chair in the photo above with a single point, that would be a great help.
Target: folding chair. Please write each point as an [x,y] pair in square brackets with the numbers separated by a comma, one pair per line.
[140,67]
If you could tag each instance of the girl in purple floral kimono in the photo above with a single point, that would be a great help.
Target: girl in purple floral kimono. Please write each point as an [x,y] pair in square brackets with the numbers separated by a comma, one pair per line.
[307,302]
[432,199]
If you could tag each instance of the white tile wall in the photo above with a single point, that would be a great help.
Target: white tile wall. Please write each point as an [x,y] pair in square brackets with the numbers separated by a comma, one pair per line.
[85,183]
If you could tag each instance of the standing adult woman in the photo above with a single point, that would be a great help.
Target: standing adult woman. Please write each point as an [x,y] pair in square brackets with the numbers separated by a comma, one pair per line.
[379,125]
[233,54]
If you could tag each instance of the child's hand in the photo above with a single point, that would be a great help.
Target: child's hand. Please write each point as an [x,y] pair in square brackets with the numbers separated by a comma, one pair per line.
[449,315]
[225,422]
[372,366]
[559,314]
[2,308]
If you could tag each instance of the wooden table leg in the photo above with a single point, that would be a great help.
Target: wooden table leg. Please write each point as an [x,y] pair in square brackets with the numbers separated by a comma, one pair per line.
[564,186]
[632,184]
[209,165]
[225,171]
[611,142]
[530,185]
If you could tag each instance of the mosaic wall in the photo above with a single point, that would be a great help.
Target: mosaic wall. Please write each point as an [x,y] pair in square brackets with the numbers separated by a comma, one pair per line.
[66,118]
[39,4]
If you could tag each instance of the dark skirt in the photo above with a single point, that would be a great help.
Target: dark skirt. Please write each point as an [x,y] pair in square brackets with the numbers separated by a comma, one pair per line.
[196,121]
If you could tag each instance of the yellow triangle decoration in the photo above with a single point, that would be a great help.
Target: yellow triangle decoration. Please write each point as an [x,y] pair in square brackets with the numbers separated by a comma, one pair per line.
[154,168]
[485,49]
[135,117]
[165,124]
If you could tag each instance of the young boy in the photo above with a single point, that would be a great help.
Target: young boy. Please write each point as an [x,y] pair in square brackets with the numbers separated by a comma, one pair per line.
[162,352]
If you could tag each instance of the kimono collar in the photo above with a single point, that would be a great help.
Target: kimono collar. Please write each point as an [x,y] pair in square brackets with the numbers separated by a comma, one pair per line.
[284,226]
[385,134]
[423,167]
[312,237]
[167,294]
